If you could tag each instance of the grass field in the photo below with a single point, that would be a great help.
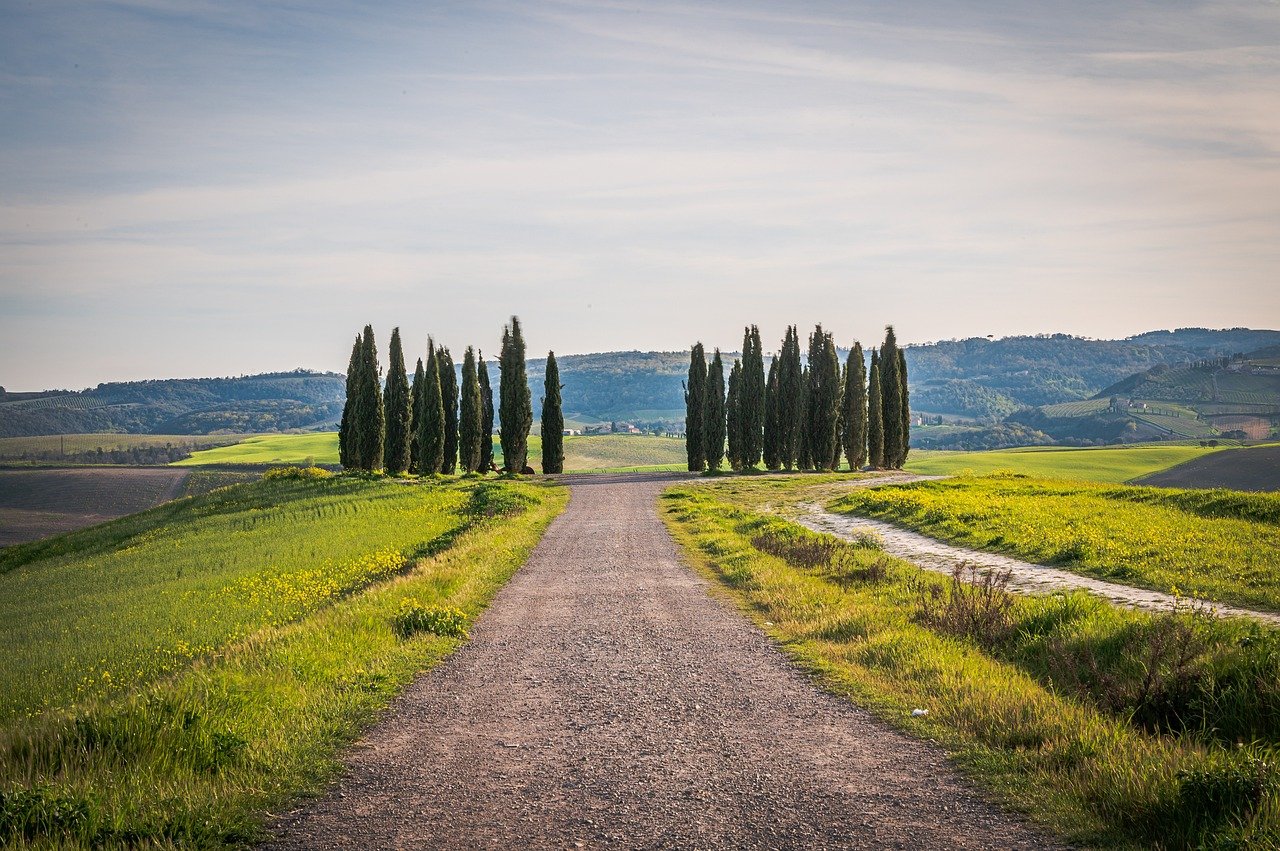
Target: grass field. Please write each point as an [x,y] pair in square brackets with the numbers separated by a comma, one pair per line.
[166,678]
[74,444]
[1116,728]
[1215,545]
[582,453]
[1101,464]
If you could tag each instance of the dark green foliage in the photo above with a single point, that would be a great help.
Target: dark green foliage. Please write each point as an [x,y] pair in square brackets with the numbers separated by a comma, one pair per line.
[695,400]
[470,416]
[875,415]
[790,388]
[370,419]
[713,414]
[772,451]
[415,401]
[515,406]
[449,401]
[431,426]
[398,411]
[891,401]
[486,416]
[904,396]
[823,400]
[347,449]
[552,420]
[752,398]
[804,444]
[735,430]
[854,406]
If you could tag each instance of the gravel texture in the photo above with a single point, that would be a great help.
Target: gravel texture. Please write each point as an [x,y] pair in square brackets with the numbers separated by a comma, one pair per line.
[607,700]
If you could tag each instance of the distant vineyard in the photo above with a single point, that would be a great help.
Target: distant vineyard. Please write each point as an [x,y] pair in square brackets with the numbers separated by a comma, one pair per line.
[1180,426]
[1076,409]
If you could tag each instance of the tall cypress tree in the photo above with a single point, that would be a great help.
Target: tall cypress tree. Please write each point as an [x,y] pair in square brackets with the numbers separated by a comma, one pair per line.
[431,426]
[415,404]
[905,396]
[515,405]
[398,411]
[804,446]
[753,397]
[855,408]
[695,399]
[735,429]
[875,415]
[470,415]
[449,400]
[823,399]
[713,422]
[771,454]
[790,388]
[552,420]
[371,418]
[348,452]
[891,406]
[486,416]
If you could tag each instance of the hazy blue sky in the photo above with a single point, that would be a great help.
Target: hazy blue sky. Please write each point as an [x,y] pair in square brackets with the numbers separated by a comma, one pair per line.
[218,187]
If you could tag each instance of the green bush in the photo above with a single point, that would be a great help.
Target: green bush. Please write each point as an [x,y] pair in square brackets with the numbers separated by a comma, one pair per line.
[306,473]
[413,617]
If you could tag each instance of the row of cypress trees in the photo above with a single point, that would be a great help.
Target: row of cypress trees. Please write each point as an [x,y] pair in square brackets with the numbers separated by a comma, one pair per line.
[800,415]
[433,425]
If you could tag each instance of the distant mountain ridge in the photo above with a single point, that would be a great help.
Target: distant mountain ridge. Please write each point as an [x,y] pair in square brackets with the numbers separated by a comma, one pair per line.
[976,378]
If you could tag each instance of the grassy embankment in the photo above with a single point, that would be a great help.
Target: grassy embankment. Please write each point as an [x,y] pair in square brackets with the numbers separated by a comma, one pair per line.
[167,678]
[1219,545]
[1096,464]
[582,453]
[1114,727]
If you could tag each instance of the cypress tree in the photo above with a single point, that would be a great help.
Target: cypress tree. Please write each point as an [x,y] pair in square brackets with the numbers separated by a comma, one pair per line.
[515,405]
[397,411]
[415,401]
[486,416]
[347,451]
[823,400]
[470,416]
[695,395]
[770,452]
[552,420]
[855,408]
[449,400]
[753,397]
[906,406]
[875,415]
[735,428]
[790,387]
[804,447]
[371,418]
[431,427]
[713,422]
[891,406]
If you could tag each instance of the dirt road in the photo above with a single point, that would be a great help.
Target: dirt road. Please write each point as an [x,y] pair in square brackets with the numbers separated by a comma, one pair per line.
[607,700]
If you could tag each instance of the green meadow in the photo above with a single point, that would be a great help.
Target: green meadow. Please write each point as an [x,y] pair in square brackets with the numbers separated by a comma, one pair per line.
[314,447]
[1114,727]
[1095,464]
[169,677]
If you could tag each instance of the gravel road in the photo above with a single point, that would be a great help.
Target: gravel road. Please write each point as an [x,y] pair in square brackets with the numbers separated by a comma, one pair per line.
[607,700]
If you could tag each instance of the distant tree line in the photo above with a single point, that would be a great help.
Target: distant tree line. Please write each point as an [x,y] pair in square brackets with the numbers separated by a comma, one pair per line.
[799,415]
[432,425]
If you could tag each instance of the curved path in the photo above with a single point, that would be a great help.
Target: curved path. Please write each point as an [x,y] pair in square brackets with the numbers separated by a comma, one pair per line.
[607,700]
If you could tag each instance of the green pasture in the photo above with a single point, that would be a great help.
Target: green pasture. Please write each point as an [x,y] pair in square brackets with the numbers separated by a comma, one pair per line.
[1100,464]
[313,447]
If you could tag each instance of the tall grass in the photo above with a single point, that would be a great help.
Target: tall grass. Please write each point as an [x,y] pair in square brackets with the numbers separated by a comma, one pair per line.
[1222,546]
[198,757]
[1108,724]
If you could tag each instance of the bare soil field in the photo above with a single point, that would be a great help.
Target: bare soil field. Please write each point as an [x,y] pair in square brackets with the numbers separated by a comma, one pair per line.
[608,699]
[1253,469]
[39,502]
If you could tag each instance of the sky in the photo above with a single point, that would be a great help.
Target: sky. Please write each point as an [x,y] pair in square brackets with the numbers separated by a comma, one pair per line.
[219,187]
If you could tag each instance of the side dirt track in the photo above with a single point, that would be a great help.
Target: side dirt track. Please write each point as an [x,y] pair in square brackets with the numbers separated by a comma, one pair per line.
[608,700]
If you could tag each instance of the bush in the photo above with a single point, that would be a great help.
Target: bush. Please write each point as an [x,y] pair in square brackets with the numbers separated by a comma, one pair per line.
[492,499]
[977,605]
[1233,788]
[305,473]
[40,811]
[414,617]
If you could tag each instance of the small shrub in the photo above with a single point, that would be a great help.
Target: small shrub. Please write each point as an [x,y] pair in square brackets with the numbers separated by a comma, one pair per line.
[493,499]
[414,617]
[304,473]
[1233,788]
[41,811]
[976,604]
